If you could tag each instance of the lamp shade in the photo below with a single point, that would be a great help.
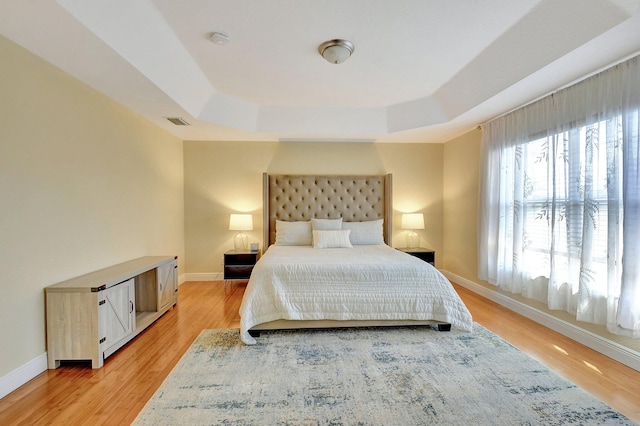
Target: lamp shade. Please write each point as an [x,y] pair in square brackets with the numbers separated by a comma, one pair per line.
[412,221]
[241,222]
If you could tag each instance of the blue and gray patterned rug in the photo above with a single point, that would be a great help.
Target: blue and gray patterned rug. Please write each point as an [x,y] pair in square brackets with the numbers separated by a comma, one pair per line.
[373,376]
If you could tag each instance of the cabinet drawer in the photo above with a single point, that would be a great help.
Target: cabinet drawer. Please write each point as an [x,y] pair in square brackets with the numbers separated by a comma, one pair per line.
[237,272]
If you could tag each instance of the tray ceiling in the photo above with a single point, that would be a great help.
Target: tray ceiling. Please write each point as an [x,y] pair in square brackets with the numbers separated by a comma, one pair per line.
[422,70]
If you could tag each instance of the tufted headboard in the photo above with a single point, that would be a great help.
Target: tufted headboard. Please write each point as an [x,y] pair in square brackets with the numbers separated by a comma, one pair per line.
[302,197]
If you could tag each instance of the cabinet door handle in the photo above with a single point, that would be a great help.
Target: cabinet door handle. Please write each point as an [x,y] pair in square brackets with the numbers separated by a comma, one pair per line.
[130,306]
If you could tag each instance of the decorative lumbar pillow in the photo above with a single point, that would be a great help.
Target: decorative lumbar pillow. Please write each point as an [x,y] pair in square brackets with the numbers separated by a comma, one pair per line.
[326,224]
[293,233]
[365,233]
[331,239]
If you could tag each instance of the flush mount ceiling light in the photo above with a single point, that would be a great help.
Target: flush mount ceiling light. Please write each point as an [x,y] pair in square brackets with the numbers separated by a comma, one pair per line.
[336,51]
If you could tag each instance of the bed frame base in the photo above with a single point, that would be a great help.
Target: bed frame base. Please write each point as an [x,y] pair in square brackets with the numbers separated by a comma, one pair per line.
[300,324]
[441,326]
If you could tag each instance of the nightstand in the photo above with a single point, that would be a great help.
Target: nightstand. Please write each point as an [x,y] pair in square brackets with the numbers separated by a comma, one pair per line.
[238,264]
[425,254]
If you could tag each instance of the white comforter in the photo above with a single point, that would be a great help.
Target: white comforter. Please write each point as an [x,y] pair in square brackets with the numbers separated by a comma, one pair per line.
[359,283]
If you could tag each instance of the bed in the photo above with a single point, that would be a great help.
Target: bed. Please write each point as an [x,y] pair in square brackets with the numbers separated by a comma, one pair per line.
[328,263]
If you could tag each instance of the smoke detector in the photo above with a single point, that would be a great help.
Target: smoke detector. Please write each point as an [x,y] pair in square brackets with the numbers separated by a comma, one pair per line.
[219,38]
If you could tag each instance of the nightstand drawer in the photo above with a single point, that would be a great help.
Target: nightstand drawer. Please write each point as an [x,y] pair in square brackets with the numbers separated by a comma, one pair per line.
[424,254]
[240,258]
[237,272]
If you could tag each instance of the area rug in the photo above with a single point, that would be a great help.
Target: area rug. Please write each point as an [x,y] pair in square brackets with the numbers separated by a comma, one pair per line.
[372,376]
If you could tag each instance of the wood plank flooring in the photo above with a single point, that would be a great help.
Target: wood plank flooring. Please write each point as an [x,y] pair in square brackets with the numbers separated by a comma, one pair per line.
[74,394]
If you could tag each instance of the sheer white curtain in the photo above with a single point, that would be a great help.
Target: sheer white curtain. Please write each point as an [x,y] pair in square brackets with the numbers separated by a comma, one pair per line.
[560,200]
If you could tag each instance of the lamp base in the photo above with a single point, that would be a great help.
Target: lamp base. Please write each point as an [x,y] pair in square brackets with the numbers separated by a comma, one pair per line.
[240,241]
[413,240]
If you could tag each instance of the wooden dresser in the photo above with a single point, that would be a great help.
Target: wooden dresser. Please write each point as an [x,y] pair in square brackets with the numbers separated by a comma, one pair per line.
[91,316]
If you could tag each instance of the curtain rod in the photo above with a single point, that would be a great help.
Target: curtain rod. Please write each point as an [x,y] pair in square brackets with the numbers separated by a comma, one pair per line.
[573,83]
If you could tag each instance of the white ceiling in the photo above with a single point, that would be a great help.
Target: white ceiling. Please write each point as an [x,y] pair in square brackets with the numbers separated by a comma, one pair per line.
[422,70]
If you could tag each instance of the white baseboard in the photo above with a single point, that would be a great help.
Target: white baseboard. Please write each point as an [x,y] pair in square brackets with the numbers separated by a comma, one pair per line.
[22,375]
[613,350]
[204,276]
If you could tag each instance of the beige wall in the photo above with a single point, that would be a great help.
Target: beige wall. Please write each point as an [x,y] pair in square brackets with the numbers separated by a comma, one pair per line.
[461,177]
[84,184]
[461,171]
[226,177]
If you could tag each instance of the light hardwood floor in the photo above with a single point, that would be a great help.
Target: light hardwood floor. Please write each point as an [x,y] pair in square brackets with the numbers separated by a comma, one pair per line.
[113,395]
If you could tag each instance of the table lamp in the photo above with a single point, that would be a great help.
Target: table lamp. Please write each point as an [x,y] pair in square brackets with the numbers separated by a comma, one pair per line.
[412,221]
[241,222]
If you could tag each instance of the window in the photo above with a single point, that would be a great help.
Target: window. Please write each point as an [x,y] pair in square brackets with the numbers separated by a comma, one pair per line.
[565,197]
[560,210]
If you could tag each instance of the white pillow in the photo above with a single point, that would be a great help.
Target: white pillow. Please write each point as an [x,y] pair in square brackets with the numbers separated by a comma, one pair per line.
[293,233]
[365,233]
[326,224]
[331,239]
